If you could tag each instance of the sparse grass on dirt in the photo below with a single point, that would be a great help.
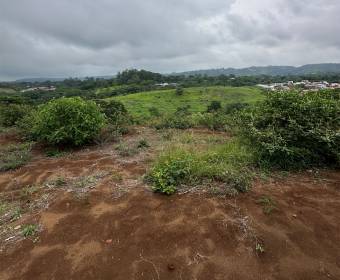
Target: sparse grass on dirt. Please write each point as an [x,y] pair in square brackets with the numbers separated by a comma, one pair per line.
[14,155]
[29,230]
[268,204]
[191,164]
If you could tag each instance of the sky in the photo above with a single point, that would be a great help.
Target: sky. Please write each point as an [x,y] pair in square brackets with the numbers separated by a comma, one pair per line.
[64,38]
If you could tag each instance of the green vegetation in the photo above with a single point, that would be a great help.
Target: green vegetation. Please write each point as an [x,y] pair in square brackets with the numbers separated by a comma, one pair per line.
[29,230]
[70,121]
[11,114]
[179,165]
[14,156]
[143,144]
[167,102]
[268,204]
[290,130]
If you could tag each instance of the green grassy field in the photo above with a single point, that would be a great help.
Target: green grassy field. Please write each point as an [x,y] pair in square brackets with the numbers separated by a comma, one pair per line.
[166,101]
[7,90]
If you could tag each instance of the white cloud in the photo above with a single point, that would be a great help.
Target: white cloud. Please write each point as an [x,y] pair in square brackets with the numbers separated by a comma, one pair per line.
[86,37]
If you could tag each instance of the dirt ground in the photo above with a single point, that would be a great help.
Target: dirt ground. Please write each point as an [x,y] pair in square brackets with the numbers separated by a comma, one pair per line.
[98,220]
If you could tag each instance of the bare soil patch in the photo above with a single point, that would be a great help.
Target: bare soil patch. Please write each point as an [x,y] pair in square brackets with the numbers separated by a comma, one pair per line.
[119,229]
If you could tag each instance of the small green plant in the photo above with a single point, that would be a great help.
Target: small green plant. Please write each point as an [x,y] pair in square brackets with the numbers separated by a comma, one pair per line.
[29,230]
[54,153]
[14,156]
[28,191]
[16,215]
[143,144]
[268,204]
[3,207]
[60,181]
[259,248]
[125,150]
[168,175]
[116,176]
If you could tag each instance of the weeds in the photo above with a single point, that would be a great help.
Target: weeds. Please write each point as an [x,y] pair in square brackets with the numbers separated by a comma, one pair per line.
[54,153]
[116,176]
[14,156]
[125,150]
[143,144]
[29,230]
[178,166]
[268,204]
[259,248]
[28,191]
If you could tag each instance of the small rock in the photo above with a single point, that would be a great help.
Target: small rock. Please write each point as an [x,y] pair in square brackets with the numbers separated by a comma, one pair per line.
[294,216]
[17,227]
[171,266]
[108,241]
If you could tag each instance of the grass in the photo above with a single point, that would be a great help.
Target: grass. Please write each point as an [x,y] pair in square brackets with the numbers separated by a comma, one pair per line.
[198,98]
[268,204]
[7,90]
[3,207]
[14,156]
[193,164]
[29,230]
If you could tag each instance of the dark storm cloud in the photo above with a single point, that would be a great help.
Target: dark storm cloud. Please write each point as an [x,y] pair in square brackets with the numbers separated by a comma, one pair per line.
[86,37]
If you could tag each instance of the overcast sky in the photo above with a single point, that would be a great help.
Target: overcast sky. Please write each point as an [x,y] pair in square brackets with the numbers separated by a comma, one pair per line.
[45,38]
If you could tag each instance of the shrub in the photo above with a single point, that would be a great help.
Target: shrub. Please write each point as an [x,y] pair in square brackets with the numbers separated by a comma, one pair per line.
[70,121]
[290,130]
[11,114]
[179,91]
[234,107]
[14,156]
[214,106]
[115,113]
[178,121]
[213,121]
[170,173]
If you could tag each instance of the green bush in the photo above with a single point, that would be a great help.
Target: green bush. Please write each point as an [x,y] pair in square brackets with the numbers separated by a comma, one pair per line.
[11,114]
[214,106]
[178,121]
[234,107]
[213,121]
[179,91]
[117,117]
[70,121]
[291,130]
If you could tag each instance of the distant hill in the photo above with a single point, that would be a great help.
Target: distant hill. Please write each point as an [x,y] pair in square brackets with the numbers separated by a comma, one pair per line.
[309,69]
[41,80]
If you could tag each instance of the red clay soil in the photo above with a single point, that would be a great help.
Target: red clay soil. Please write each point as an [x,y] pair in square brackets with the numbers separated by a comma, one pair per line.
[142,235]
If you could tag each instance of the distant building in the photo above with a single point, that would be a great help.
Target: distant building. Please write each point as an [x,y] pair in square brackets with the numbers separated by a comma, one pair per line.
[48,88]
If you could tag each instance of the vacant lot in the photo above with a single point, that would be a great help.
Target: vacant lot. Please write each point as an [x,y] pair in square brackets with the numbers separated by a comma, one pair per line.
[87,214]
[198,98]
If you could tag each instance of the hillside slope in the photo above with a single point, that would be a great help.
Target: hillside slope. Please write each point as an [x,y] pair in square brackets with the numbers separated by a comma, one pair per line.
[166,101]
[309,69]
